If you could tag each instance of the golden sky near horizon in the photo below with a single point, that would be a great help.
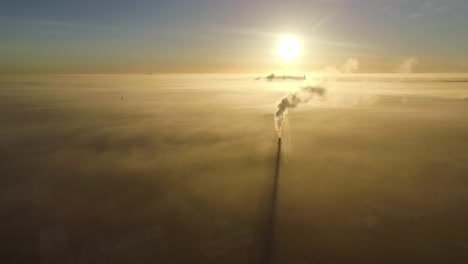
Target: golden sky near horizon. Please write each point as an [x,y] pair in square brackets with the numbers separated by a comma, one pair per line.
[204,36]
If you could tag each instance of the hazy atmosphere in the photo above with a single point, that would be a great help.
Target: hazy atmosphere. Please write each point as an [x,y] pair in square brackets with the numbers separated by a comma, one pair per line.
[372,172]
[187,36]
[202,131]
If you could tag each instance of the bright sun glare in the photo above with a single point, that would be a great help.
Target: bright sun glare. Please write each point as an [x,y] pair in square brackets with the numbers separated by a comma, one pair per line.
[289,48]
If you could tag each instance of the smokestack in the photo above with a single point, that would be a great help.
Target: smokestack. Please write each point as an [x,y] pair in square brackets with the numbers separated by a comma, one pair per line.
[292,100]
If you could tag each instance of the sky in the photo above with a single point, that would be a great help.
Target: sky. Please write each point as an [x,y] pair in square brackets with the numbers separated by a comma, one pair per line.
[221,36]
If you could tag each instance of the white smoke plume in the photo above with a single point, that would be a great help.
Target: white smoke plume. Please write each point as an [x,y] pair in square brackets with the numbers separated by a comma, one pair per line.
[292,100]
[350,66]
[407,66]
[331,73]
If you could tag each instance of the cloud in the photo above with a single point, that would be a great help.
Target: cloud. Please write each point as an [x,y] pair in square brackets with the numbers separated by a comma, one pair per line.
[407,66]
[350,66]
[9,47]
[345,44]
[323,21]
[429,7]
[52,23]
[265,33]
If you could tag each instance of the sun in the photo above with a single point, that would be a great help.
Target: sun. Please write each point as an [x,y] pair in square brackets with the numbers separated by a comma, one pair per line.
[289,48]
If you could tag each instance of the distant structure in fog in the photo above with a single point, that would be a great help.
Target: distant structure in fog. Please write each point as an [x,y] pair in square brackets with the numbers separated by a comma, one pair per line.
[285,77]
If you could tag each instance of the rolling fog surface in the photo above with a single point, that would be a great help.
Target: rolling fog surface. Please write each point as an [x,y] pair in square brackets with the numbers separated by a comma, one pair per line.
[375,172]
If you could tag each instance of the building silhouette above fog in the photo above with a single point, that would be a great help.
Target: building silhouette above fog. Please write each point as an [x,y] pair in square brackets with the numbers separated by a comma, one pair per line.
[285,77]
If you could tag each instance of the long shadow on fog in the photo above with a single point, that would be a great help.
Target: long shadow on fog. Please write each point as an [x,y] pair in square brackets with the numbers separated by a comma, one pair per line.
[272,213]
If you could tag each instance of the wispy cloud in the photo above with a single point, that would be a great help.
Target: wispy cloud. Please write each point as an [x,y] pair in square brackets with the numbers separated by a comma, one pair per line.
[324,41]
[9,47]
[320,40]
[323,21]
[430,7]
[407,66]
[349,54]
[52,23]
